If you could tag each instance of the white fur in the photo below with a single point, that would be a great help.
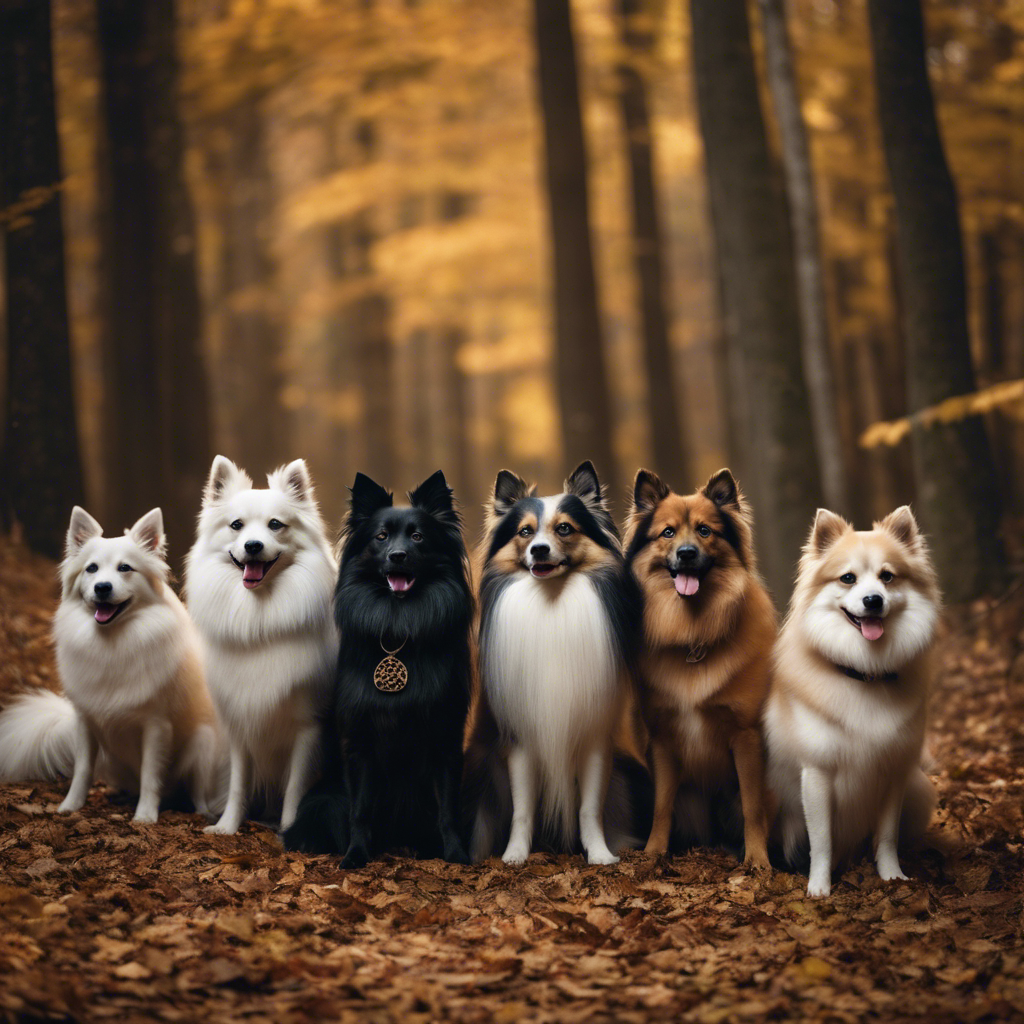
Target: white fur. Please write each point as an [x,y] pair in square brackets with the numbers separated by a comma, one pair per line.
[844,755]
[271,652]
[132,710]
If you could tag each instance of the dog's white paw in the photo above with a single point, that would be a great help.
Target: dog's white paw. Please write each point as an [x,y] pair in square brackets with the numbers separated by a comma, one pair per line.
[220,830]
[69,806]
[146,815]
[515,854]
[818,887]
[891,873]
[604,856]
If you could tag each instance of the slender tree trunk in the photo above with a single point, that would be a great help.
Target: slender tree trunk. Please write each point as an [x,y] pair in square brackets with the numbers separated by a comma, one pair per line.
[810,274]
[582,381]
[668,439]
[40,468]
[748,211]
[156,409]
[957,486]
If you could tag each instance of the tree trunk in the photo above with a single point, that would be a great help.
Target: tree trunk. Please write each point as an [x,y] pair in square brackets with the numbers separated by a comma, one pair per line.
[748,212]
[668,441]
[40,468]
[582,382]
[810,275]
[956,481]
[156,409]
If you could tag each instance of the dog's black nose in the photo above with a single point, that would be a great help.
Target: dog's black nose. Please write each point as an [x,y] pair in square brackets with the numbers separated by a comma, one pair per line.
[874,602]
[397,556]
[687,553]
[540,550]
[253,547]
[103,590]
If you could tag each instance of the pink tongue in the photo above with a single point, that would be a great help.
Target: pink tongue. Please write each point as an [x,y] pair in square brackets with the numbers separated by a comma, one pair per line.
[105,612]
[687,585]
[254,572]
[871,629]
[399,584]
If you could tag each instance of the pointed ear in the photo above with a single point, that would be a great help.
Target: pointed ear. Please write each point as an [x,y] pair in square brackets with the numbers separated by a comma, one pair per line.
[148,532]
[293,480]
[434,496]
[721,489]
[827,529]
[648,490]
[901,524]
[368,497]
[508,489]
[225,478]
[82,528]
[583,482]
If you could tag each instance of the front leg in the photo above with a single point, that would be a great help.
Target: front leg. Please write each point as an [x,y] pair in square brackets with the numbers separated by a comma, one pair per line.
[595,771]
[448,787]
[157,736]
[300,772]
[816,794]
[665,768]
[887,835]
[86,749]
[362,791]
[238,795]
[748,753]
[522,777]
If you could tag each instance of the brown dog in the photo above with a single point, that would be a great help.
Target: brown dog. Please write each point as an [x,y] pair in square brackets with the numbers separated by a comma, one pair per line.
[709,626]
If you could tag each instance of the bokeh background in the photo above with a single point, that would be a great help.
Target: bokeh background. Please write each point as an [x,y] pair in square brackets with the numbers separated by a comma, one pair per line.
[350,230]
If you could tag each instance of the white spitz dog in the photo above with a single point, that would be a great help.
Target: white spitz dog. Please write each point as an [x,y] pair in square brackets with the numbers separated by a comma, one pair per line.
[136,712]
[258,583]
[846,715]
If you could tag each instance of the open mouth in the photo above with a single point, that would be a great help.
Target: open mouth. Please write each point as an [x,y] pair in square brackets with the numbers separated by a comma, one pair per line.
[686,584]
[253,573]
[400,583]
[543,569]
[871,628]
[106,612]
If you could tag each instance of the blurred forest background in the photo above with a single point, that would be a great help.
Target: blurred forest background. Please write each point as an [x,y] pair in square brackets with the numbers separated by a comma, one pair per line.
[401,235]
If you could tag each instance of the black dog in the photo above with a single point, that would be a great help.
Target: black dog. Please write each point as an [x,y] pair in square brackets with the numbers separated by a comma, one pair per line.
[393,762]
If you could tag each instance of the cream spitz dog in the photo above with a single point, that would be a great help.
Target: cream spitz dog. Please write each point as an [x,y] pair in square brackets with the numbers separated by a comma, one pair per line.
[846,715]
[135,712]
[258,584]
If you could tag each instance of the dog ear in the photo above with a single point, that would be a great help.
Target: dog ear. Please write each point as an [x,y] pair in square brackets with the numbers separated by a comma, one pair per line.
[583,482]
[82,528]
[367,497]
[293,480]
[827,529]
[225,478]
[902,525]
[508,489]
[148,532]
[721,488]
[648,490]
[434,496]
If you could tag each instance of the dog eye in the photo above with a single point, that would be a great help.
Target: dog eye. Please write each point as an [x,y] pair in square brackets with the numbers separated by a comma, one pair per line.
[526,531]
[848,578]
[704,531]
[237,524]
[563,529]
[668,532]
[383,535]
[124,567]
[417,537]
[885,576]
[91,567]
[276,524]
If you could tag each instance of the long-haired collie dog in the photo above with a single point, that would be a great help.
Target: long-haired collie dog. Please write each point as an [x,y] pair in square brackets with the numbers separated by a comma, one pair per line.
[258,584]
[558,629]
[845,722]
[709,626]
[135,712]
[404,608]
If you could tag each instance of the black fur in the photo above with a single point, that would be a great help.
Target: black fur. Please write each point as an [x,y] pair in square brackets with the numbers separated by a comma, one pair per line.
[394,760]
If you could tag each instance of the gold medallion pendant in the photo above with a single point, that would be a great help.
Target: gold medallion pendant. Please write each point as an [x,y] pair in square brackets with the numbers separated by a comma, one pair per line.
[391,675]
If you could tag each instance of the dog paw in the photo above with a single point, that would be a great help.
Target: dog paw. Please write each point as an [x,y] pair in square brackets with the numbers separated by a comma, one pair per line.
[220,830]
[146,816]
[356,857]
[455,854]
[602,857]
[817,888]
[515,855]
[891,873]
[757,864]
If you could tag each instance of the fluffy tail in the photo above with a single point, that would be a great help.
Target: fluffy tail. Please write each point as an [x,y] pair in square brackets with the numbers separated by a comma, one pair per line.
[37,732]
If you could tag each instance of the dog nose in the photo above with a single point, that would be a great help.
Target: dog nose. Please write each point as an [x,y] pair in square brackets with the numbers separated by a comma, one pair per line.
[687,553]
[874,602]
[397,556]
[253,547]
[540,550]
[103,590]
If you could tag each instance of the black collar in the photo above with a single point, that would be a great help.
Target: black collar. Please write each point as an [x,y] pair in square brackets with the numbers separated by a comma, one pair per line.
[884,677]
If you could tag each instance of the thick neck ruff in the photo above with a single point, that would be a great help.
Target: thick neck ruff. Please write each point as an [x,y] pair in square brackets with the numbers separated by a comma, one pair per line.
[865,677]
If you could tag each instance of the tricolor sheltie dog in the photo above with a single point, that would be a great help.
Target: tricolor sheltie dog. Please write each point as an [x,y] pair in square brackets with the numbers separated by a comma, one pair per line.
[135,712]
[258,584]
[709,626]
[559,620]
[404,608]
[845,721]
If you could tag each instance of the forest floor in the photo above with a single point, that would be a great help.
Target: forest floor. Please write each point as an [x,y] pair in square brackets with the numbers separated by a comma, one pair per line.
[103,919]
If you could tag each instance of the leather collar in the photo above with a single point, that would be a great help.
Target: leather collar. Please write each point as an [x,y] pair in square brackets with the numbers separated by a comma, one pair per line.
[884,677]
